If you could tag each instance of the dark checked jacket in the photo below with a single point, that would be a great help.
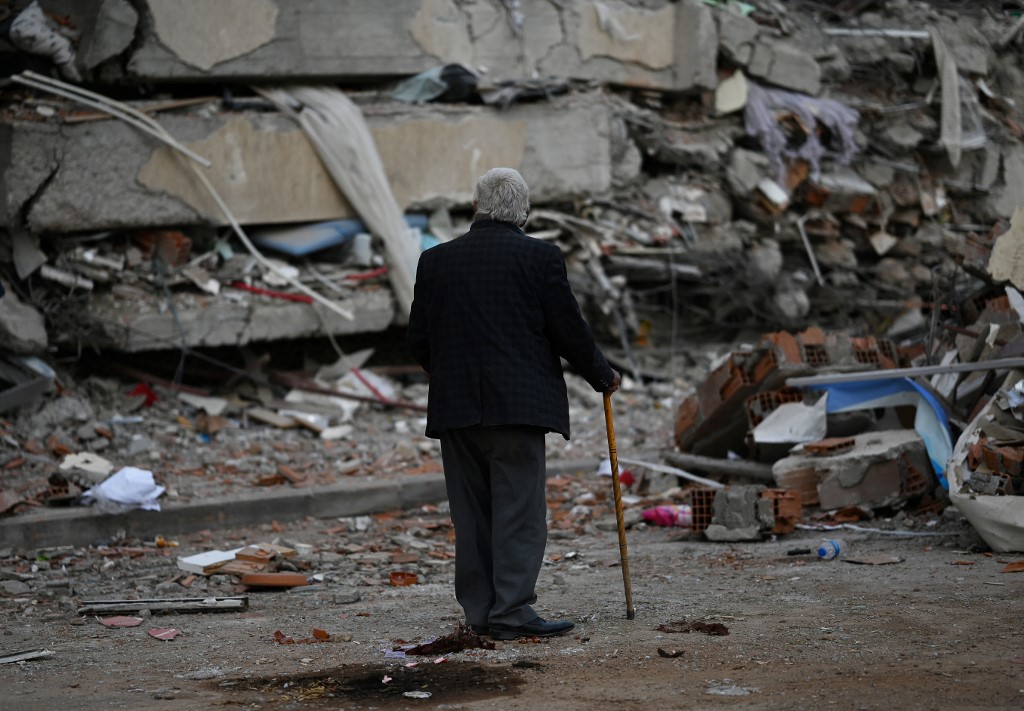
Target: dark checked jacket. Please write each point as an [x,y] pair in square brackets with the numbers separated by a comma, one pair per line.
[491,314]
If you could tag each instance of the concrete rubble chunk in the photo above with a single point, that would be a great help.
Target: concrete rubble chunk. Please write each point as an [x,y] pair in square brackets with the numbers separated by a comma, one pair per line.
[1007,260]
[22,327]
[107,33]
[628,34]
[785,65]
[696,46]
[881,469]
[1009,196]
[970,48]
[746,169]
[204,33]
[58,412]
[740,515]
[736,36]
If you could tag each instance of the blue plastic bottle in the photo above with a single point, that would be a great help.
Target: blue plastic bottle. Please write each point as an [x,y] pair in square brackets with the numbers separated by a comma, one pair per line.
[832,548]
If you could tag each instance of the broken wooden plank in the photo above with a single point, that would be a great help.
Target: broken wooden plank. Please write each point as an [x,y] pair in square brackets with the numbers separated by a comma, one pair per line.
[237,603]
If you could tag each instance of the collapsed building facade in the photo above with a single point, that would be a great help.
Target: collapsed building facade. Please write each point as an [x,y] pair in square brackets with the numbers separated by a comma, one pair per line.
[705,166]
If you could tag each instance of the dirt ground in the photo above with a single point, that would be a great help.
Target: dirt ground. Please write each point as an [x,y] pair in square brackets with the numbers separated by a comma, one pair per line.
[935,630]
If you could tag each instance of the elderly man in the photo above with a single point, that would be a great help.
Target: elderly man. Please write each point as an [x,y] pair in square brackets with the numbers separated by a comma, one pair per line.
[492,315]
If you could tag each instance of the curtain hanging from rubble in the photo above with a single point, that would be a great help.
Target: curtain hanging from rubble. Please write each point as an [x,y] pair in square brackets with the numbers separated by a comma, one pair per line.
[959,105]
[760,118]
[336,128]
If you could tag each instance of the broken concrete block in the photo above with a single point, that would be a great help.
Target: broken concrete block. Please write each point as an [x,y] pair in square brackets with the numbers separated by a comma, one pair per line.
[736,36]
[696,42]
[107,32]
[22,327]
[1007,260]
[902,135]
[969,47]
[731,94]
[203,34]
[785,65]
[1009,196]
[882,469]
[746,169]
[628,34]
[59,412]
[112,176]
[740,515]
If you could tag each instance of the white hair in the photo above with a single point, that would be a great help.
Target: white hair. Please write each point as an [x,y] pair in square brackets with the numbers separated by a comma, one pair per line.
[501,194]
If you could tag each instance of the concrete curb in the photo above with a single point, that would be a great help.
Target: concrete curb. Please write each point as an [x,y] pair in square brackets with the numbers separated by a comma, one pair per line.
[85,526]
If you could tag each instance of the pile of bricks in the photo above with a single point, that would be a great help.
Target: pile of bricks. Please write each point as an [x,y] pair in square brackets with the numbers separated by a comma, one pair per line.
[747,386]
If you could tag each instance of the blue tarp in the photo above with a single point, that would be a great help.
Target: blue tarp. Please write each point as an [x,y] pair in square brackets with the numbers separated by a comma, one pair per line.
[931,421]
[306,239]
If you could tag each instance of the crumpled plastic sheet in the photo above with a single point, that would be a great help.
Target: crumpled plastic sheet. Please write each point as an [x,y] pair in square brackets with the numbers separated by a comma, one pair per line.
[761,120]
[130,488]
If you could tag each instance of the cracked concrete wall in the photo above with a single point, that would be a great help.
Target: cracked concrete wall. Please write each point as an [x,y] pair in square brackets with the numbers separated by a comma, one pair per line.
[656,44]
[110,176]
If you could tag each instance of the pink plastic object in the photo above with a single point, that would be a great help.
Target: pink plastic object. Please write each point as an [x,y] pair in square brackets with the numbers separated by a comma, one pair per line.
[679,516]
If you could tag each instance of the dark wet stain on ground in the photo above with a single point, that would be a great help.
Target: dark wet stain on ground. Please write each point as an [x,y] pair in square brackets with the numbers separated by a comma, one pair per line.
[363,686]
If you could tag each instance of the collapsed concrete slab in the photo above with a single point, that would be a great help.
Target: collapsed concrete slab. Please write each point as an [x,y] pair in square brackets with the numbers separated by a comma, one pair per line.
[653,44]
[105,174]
[136,320]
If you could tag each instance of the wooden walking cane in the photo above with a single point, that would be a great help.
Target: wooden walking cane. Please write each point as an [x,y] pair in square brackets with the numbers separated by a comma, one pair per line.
[614,457]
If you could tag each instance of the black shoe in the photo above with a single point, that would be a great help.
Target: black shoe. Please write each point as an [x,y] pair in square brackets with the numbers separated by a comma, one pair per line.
[480,629]
[537,627]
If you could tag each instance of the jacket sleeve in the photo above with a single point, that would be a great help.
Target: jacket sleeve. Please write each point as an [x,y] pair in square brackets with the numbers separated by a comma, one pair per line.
[417,333]
[566,329]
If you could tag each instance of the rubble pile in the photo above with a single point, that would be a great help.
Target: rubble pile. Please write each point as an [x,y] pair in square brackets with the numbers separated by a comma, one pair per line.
[769,158]
[843,179]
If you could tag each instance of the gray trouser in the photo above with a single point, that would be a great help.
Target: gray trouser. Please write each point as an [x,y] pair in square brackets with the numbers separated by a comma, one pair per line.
[495,481]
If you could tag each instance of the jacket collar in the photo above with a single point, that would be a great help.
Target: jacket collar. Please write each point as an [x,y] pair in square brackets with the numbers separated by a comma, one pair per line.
[484,224]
